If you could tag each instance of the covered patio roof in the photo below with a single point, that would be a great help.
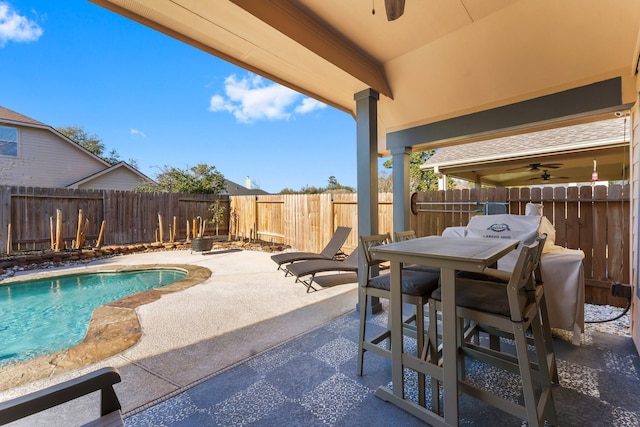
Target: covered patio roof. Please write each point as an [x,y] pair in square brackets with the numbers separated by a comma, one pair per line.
[438,61]
[567,154]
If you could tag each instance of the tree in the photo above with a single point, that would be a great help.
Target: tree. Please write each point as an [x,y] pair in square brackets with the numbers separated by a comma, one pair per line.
[419,179]
[217,213]
[333,185]
[385,182]
[113,157]
[92,143]
[199,179]
[133,163]
[80,136]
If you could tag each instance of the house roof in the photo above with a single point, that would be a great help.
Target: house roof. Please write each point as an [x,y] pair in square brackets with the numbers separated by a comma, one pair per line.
[235,189]
[119,165]
[8,115]
[13,117]
[568,152]
[439,61]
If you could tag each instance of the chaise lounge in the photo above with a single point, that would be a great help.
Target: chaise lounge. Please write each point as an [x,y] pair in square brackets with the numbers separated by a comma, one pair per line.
[330,251]
[349,267]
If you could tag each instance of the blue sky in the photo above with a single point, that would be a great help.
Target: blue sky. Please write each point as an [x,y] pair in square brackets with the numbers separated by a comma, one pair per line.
[161,102]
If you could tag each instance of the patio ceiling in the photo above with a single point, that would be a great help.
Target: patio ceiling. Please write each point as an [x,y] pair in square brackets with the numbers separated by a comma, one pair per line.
[440,60]
[572,150]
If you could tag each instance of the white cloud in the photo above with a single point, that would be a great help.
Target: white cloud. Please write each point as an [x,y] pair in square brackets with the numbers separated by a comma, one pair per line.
[15,27]
[136,132]
[254,98]
[308,105]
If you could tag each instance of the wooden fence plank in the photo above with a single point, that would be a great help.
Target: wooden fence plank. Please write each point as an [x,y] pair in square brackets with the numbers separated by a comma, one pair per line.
[573,218]
[626,232]
[599,233]
[559,196]
[617,223]
[586,228]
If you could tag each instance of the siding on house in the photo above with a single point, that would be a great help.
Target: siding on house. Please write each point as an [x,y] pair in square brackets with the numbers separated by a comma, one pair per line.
[121,179]
[46,160]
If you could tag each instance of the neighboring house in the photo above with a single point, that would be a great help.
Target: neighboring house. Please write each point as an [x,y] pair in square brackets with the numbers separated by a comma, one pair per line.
[553,156]
[34,154]
[120,176]
[234,189]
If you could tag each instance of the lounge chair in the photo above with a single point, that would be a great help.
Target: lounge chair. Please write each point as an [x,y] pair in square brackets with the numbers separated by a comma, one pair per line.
[349,267]
[329,252]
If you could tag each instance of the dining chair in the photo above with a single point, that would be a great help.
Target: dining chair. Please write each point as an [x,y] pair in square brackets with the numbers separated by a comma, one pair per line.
[511,309]
[501,276]
[417,287]
[401,236]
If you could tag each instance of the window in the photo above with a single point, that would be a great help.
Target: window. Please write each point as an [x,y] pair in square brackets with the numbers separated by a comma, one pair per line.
[8,141]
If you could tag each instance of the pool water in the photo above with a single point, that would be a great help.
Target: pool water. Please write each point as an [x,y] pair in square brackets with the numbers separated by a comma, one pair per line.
[48,315]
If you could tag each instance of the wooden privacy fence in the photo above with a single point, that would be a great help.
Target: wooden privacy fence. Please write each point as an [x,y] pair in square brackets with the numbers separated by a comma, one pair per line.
[129,217]
[593,219]
[304,221]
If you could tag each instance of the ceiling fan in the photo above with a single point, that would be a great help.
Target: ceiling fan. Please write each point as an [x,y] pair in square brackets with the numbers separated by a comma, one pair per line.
[394,8]
[535,167]
[547,177]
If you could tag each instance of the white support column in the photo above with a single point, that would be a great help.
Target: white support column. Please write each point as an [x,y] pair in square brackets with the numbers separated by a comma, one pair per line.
[367,176]
[442,178]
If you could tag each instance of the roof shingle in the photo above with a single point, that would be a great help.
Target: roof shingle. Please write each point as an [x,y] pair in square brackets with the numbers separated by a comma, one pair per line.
[10,115]
[511,146]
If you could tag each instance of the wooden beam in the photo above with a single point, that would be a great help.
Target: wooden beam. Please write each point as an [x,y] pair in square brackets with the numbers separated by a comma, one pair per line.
[595,98]
[318,38]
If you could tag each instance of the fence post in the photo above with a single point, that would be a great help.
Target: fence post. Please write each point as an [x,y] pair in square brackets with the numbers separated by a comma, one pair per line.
[5,213]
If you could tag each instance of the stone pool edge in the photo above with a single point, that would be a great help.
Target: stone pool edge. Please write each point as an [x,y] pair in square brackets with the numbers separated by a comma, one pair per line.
[113,328]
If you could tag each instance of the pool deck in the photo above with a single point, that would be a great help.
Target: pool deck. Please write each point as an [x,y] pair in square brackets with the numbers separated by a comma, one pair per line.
[244,308]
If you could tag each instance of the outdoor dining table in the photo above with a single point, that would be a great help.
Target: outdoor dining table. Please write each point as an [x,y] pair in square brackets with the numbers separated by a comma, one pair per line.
[450,254]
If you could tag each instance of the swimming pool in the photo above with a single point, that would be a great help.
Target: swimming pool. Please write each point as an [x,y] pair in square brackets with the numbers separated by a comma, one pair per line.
[47,315]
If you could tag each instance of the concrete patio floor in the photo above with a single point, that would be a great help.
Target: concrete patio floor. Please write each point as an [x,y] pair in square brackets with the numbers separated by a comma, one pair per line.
[243,309]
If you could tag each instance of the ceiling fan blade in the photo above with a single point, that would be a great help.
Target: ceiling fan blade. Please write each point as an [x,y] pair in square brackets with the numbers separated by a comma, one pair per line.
[535,167]
[549,165]
[395,9]
[544,177]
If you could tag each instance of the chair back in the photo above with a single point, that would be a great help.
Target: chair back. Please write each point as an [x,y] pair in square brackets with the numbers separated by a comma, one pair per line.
[537,273]
[494,208]
[368,242]
[520,279]
[401,236]
[336,242]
